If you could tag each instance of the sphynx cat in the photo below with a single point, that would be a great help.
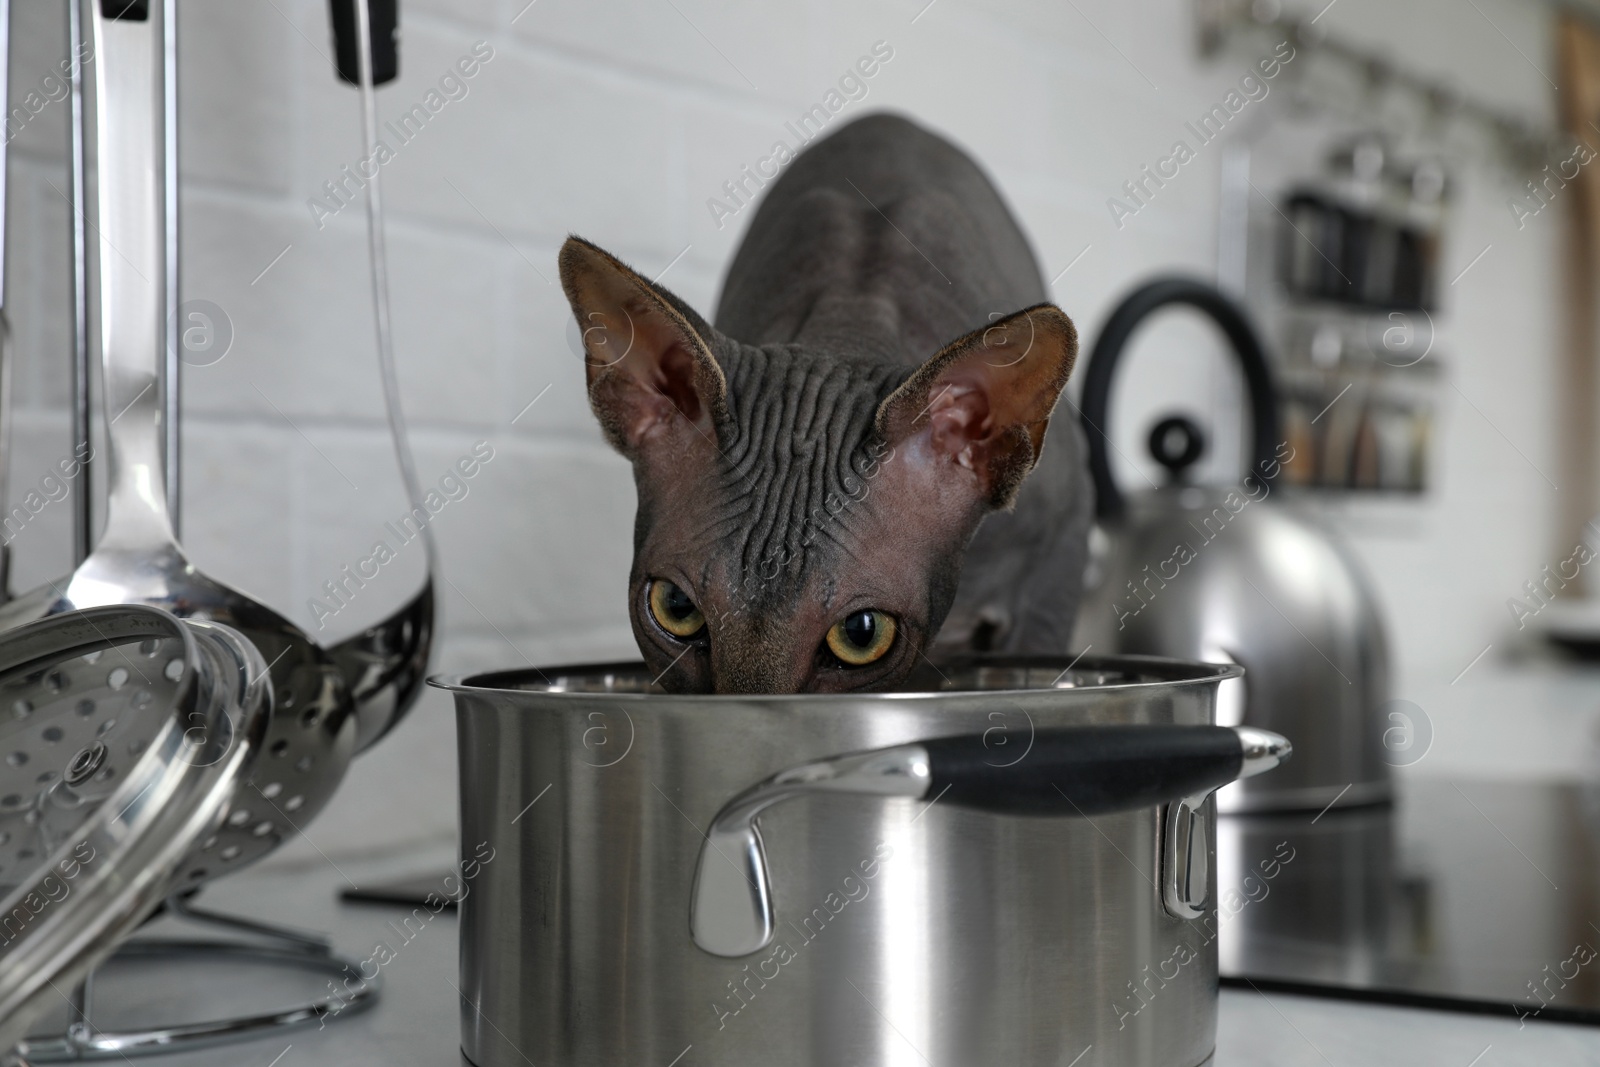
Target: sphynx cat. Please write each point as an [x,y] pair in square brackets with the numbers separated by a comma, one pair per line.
[848,472]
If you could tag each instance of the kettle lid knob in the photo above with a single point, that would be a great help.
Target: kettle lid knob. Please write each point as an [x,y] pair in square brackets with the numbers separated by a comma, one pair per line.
[1176,442]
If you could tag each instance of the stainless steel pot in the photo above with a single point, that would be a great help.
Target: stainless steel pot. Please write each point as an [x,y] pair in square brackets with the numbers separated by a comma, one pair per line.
[639,894]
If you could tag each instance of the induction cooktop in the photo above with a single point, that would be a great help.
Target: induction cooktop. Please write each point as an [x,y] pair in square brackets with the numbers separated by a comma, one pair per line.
[1461,895]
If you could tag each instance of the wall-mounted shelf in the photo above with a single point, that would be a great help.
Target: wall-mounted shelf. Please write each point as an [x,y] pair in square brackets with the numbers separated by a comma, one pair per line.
[1525,144]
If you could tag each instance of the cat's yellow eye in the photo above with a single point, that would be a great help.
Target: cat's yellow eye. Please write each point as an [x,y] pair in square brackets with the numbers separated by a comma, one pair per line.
[673,611]
[862,638]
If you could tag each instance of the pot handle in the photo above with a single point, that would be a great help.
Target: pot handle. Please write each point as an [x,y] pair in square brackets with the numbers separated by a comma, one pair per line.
[1108,347]
[1070,771]
[1089,770]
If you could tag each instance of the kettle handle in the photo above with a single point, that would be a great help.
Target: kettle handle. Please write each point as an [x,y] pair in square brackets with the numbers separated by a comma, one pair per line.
[1114,338]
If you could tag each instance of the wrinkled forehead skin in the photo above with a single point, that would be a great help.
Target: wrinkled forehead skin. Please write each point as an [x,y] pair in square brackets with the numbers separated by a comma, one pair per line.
[797,514]
[796,455]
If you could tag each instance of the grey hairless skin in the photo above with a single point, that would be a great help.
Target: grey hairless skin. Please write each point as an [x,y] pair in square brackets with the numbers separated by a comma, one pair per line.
[836,475]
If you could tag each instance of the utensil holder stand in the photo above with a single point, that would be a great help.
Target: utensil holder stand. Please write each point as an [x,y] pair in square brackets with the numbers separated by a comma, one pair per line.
[276,946]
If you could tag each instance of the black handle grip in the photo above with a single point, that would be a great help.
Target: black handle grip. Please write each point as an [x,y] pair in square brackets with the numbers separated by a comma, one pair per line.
[385,25]
[1084,770]
[1114,338]
[130,10]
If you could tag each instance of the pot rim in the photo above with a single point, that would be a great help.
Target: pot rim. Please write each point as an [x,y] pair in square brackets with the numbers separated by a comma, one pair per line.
[1179,674]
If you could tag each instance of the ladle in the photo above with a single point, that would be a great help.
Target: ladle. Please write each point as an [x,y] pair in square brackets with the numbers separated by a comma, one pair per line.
[312,729]
[385,665]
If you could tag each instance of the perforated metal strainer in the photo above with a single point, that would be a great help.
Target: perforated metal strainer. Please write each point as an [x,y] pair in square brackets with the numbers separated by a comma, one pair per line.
[124,734]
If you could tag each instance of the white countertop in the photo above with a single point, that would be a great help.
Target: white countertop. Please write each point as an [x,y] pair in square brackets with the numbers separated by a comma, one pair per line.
[416,1022]
[1276,1030]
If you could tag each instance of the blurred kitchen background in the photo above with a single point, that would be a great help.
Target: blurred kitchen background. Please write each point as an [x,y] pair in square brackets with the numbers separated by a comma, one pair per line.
[1457,456]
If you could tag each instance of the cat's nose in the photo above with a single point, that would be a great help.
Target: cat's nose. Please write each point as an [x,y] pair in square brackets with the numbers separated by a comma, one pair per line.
[749,682]
[756,670]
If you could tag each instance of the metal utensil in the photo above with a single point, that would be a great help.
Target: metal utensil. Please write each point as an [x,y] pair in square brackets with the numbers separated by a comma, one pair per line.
[7,354]
[82,406]
[126,736]
[125,732]
[607,835]
[385,665]
[312,729]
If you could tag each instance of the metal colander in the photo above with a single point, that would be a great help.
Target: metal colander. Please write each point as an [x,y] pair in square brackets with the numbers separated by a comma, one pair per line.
[72,729]
[124,733]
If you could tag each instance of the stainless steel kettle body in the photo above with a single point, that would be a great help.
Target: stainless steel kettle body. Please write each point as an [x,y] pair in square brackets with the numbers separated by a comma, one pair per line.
[1226,577]
[1237,574]
[632,909]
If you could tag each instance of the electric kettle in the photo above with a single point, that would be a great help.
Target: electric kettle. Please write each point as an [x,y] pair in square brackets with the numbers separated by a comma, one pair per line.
[1236,574]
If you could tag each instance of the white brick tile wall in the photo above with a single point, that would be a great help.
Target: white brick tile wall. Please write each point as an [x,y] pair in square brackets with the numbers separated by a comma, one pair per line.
[445,322]
[302,333]
[41,551]
[235,52]
[480,14]
[745,48]
[575,147]
[345,489]
[539,364]
[250,542]
[546,525]
[44,30]
[40,221]
[617,119]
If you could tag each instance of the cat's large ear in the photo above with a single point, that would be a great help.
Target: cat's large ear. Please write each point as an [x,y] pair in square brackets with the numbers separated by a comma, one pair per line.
[652,378]
[984,401]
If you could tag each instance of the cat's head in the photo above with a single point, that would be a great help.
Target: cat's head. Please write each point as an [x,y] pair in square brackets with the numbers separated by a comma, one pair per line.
[802,514]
